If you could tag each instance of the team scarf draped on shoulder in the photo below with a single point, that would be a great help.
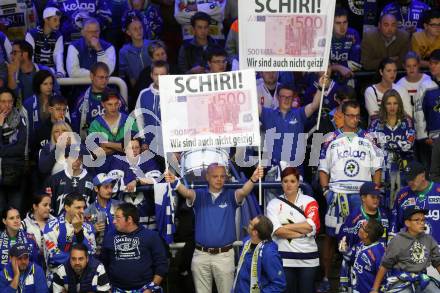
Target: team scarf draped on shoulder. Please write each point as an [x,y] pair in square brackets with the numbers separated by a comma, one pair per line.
[254,287]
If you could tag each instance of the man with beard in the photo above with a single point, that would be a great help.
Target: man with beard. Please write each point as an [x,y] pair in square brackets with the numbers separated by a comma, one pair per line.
[81,271]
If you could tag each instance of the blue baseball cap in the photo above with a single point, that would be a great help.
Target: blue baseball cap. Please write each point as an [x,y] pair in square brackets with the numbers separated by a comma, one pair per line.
[370,188]
[101,179]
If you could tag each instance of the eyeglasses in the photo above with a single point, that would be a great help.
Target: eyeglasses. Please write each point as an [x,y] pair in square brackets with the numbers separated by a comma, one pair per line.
[418,221]
[353,116]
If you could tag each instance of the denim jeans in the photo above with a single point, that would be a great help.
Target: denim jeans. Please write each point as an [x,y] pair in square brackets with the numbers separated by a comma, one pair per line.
[300,280]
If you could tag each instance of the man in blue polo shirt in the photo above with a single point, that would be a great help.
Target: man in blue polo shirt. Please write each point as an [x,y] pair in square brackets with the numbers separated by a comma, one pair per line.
[284,124]
[214,209]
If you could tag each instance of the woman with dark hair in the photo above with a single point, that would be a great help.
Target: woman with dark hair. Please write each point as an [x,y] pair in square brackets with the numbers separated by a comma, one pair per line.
[12,150]
[395,134]
[374,93]
[13,234]
[295,221]
[36,219]
[36,107]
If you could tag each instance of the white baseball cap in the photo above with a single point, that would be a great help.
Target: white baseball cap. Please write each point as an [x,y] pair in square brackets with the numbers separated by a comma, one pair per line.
[51,11]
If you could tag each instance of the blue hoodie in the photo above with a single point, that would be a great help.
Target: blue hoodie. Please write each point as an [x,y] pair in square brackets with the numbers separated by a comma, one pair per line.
[133,60]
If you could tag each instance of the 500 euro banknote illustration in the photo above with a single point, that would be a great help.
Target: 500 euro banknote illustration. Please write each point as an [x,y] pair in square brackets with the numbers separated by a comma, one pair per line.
[294,35]
[228,112]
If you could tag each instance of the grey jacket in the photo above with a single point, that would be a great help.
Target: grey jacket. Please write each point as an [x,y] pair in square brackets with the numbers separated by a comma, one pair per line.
[411,254]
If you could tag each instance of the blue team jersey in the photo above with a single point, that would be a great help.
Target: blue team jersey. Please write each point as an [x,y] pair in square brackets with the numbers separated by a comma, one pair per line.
[365,266]
[428,199]
[74,12]
[431,109]
[346,49]
[407,15]
[355,219]
[397,140]
[289,126]
[92,110]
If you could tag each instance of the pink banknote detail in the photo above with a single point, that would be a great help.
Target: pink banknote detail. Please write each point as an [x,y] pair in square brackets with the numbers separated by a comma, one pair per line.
[295,35]
[228,112]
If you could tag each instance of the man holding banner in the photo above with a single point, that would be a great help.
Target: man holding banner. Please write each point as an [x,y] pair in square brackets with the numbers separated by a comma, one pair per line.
[289,123]
[214,209]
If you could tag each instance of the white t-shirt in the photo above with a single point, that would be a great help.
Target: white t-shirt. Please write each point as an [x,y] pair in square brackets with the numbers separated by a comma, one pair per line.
[413,88]
[373,99]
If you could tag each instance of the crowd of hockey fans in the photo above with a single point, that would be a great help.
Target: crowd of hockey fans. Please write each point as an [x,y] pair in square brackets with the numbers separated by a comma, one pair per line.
[89,205]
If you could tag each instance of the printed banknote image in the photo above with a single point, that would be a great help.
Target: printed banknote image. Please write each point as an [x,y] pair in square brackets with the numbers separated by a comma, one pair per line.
[220,112]
[294,35]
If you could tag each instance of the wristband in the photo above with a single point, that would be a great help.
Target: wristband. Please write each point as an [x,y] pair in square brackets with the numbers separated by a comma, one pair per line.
[254,182]
[175,184]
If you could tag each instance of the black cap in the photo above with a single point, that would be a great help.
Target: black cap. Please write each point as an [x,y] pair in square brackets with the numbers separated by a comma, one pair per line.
[370,188]
[19,249]
[411,210]
[435,55]
[413,169]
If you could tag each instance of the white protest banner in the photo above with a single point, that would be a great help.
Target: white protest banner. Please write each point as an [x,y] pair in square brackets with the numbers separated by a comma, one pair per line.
[209,110]
[285,35]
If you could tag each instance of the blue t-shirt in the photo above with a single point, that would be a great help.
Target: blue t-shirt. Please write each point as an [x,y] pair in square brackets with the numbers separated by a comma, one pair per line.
[289,126]
[215,219]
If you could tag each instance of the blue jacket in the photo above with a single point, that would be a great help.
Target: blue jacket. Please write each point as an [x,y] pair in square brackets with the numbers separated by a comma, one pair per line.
[87,56]
[271,278]
[133,60]
[132,259]
[34,280]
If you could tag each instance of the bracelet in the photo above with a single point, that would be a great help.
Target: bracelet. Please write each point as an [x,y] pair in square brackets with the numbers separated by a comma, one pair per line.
[319,88]
[250,179]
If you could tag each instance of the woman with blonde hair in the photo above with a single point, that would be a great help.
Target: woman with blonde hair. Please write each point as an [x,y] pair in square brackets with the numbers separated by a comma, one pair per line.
[395,134]
[48,164]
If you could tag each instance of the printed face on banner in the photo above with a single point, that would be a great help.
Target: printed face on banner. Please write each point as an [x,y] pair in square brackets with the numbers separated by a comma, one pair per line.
[292,35]
[209,110]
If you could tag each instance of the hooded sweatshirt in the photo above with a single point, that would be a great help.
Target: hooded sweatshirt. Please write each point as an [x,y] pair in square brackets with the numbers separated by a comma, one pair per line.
[412,254]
